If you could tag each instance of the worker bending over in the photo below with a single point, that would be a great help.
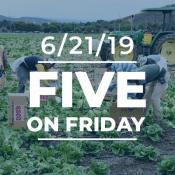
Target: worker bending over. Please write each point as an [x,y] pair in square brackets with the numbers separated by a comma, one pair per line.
[156,89]
[23,66]
[155,83]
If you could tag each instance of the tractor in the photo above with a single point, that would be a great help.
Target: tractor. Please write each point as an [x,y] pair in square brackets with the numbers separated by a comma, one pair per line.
[147,43]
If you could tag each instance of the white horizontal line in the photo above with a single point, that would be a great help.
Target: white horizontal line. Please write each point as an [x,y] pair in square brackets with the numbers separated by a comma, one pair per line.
[86,62]
[87,139]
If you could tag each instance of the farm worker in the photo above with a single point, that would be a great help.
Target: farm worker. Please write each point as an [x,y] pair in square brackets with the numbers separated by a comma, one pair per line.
[156,89]
[105,52]
[152,74]
[3,66]
[23,66]
[3,60]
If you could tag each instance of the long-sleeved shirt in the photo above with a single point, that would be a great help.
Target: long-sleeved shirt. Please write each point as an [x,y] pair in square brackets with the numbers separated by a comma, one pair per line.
[157,59]
[31,64]
[161,63]
[124,67]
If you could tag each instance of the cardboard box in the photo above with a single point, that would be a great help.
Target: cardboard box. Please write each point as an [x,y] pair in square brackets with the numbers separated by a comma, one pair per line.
[17,110]
[118,113]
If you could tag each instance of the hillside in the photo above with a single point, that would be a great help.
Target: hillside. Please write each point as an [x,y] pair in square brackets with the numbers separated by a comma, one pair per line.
[145,18]
[26,19]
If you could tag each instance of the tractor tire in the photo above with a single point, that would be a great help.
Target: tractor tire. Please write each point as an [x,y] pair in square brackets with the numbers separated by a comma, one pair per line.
[165,46]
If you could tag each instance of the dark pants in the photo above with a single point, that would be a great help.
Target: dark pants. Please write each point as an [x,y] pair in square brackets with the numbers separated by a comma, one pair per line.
[22,77]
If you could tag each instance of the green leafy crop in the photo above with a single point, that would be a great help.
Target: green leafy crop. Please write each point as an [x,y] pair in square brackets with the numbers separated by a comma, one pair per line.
[153,132]
[146,153]
[122,148]
[98,168]
[167,166]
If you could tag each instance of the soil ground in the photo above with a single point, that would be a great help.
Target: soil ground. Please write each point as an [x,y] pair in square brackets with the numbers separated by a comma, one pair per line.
[130,166]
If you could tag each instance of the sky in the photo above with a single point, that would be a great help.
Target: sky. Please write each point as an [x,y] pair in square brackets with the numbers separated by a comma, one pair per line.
[77,10]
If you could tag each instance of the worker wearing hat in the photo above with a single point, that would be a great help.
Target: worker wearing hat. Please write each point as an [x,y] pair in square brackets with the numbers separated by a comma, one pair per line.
[24,65]
[155,83]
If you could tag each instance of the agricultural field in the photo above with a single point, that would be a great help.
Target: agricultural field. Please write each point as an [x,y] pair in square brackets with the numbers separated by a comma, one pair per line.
[22,154]
[19,45]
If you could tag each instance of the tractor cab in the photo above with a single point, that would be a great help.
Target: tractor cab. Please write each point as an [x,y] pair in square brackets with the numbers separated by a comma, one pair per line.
[163,42]
[167,16]
[148,43]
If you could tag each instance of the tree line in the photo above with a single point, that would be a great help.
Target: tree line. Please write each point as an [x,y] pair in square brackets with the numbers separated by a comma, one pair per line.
[89,27]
